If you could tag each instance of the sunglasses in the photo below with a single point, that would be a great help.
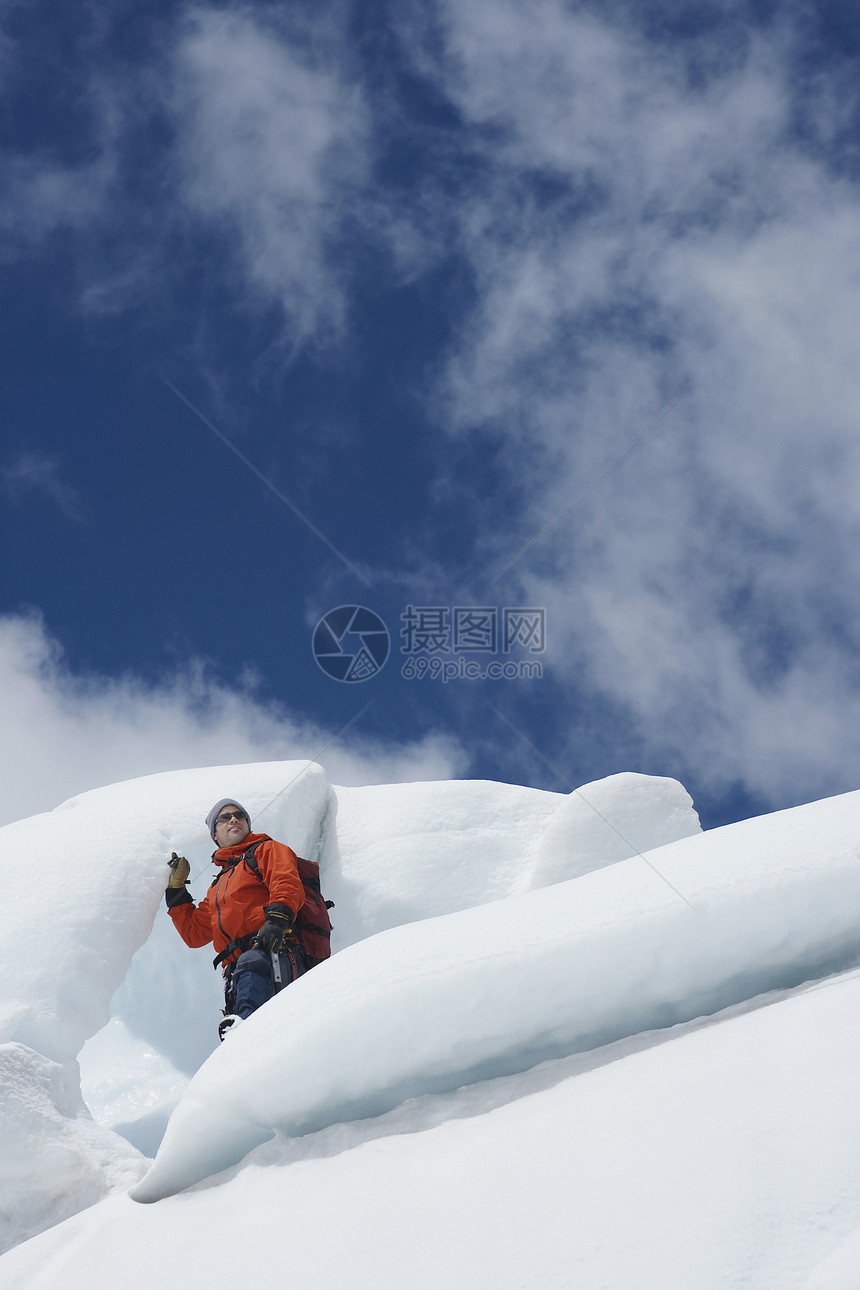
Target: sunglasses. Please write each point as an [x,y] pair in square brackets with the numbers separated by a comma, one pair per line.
[230,815]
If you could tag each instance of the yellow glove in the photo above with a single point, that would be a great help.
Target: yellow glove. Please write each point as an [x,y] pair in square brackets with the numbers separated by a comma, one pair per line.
[180,869]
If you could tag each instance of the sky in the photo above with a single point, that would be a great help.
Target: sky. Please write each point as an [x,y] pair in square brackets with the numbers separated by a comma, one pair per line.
[447,311]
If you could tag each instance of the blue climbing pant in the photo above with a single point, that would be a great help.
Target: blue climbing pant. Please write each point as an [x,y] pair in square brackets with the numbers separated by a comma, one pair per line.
[251,983]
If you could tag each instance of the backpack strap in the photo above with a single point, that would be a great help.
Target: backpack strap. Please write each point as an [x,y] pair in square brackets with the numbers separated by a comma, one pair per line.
[241,943]
[308,872]
[318,935]
[251,860]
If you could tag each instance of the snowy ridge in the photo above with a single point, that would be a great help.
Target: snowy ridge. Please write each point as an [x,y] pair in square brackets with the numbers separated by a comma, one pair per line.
[578,1084]
[55,1159]
[101,857]
[409,851]
[100,860]
[704,1157]
[419,1009]
[388,856]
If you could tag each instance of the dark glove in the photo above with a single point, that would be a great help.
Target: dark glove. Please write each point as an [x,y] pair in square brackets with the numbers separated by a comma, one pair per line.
[277,931]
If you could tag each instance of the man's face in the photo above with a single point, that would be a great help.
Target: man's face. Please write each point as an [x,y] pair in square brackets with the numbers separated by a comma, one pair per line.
[230,831]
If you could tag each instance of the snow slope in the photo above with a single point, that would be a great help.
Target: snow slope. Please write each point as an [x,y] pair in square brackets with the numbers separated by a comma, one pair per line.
[712,1156]
[494,1081]
[55,1160]
[101,865]
[101,860]
[497,989]
[406,851]
[388,855]
[82,885]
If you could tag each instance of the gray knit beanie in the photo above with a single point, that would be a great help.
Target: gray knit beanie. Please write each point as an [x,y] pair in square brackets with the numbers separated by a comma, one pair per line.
[217,808]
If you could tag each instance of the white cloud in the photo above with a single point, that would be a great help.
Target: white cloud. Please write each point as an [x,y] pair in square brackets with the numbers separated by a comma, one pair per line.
[65,733]
[271,144]
[637,213]
[268,146]
[630,228]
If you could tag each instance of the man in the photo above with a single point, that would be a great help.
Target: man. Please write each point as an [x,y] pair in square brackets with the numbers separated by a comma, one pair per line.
[248,912]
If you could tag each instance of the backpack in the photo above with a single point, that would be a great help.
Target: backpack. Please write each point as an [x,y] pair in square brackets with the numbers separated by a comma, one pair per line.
[313,925]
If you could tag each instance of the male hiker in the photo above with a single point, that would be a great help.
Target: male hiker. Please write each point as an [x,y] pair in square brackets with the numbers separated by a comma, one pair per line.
[248,912]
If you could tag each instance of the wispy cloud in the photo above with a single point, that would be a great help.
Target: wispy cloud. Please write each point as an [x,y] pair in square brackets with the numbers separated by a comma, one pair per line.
[262,146]
[51,187]
[644,213]
[32,471]
[42,196]
[65,732]
[271,144]
[630,211]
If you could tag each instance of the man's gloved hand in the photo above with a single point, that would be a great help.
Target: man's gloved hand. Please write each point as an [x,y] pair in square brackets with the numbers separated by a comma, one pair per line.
[277,931]
[179,870]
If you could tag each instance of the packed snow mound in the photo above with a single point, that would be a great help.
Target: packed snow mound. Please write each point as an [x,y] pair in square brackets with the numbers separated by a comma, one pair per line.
[610,820]
[485,992]
[401,852]
[102,858]
[131,1084]
[55,1159]
[388,855]
[840,1269]
[722,1153]
[393,855]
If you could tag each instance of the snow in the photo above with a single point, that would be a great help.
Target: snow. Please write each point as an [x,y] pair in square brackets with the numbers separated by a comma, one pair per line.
[611,820]
[706,1158]
[101,860]
[564,1040]
[499,988]
[410,851]
[55,1159]
[390,855]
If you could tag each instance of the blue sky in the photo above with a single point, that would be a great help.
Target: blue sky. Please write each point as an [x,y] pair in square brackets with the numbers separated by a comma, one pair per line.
[432,269]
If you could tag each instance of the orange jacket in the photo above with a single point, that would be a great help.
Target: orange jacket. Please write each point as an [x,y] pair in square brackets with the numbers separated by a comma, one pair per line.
[233,905]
